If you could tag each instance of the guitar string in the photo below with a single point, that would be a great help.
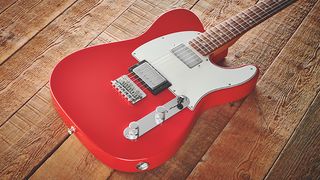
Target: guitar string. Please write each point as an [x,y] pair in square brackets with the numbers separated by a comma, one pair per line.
[159,60]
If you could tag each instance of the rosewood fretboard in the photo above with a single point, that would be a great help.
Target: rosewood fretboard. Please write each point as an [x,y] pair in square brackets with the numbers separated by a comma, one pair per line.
[222,33]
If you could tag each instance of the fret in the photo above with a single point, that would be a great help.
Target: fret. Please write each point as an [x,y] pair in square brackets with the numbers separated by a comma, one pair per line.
[200,42]
[243,18]
[257,10]
[263,2]
[237,25]
[219,34]
[213,36]
[209,40]
[240,22]
[249,9]
[261,8]
[197,44]
[224,25]
[222,33]
[192,44]
[252,20]
[205,45]
[233,26]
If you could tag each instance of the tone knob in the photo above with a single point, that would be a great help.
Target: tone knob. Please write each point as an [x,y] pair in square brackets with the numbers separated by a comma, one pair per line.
[160,114]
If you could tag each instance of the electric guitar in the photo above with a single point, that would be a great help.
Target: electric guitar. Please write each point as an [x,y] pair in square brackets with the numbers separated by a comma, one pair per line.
[132,103]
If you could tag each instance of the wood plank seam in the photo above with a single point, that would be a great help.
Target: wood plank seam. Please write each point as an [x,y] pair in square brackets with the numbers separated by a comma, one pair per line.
[292,135]
[110,24]
[4,60]
[296,82]
[27,67]
[194,4]
[22,105]
[294,32]
[47,156]
[300,160]
[8,6]
[107,5]
[263,75]
[48,81]
[60,143]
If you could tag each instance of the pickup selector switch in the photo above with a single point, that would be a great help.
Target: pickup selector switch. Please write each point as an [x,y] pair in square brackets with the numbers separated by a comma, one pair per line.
[160,114]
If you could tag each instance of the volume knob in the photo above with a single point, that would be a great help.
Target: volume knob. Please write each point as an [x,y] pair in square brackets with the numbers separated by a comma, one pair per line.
[160,114]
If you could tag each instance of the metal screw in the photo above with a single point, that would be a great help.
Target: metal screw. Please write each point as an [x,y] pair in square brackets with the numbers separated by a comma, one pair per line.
[142,166]
[71,130]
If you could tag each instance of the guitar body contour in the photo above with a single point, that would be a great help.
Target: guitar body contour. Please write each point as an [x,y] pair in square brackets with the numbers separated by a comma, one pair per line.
[82,93]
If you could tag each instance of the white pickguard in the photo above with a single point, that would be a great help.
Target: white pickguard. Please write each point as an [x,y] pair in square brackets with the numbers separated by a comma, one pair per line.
[195,82]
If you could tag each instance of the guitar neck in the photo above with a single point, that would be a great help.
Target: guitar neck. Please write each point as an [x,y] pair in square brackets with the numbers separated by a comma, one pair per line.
[207,42]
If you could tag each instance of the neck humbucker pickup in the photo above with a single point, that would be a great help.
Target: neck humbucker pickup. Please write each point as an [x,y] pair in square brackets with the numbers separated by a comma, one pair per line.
[186,55]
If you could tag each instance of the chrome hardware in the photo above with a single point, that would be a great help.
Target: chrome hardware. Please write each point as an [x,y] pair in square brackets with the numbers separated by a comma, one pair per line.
[186,55]
[132,132]
[142,166]
[162,113]
[71,130]
[128,89]
[150,77]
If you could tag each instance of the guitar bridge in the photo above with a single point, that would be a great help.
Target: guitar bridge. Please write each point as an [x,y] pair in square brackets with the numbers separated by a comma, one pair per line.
[128,89]
[150,77]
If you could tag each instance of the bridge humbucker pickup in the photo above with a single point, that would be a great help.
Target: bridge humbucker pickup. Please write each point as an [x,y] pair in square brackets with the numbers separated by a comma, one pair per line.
[150,77]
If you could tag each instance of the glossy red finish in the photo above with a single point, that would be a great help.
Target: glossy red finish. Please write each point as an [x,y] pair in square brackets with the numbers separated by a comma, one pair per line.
[82,93]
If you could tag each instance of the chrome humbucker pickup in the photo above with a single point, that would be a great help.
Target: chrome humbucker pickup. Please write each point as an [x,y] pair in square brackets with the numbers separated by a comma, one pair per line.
[150,77]
[128,89]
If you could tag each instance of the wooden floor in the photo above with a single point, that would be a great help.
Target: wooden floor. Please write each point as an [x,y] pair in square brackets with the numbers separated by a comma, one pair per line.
[274,133]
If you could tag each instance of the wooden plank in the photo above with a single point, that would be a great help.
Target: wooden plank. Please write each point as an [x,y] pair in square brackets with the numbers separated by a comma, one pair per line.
[6,4]
[85,167]
[29,69]
[301,159]
[30,135]
[212,122]
[24,19]
[75,161]
[172,169]
[254,137]
[217,111]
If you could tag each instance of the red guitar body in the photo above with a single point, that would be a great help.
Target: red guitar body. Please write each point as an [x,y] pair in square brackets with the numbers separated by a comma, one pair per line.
[81,90]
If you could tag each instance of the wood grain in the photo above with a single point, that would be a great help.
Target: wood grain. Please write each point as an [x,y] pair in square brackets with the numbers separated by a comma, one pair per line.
[300,159]
[253,138]
[261,45]
[65,161]
[24,19]
[30,135]
[75,161]
[29,69]
[110,36]
[6,4]
[211,123]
